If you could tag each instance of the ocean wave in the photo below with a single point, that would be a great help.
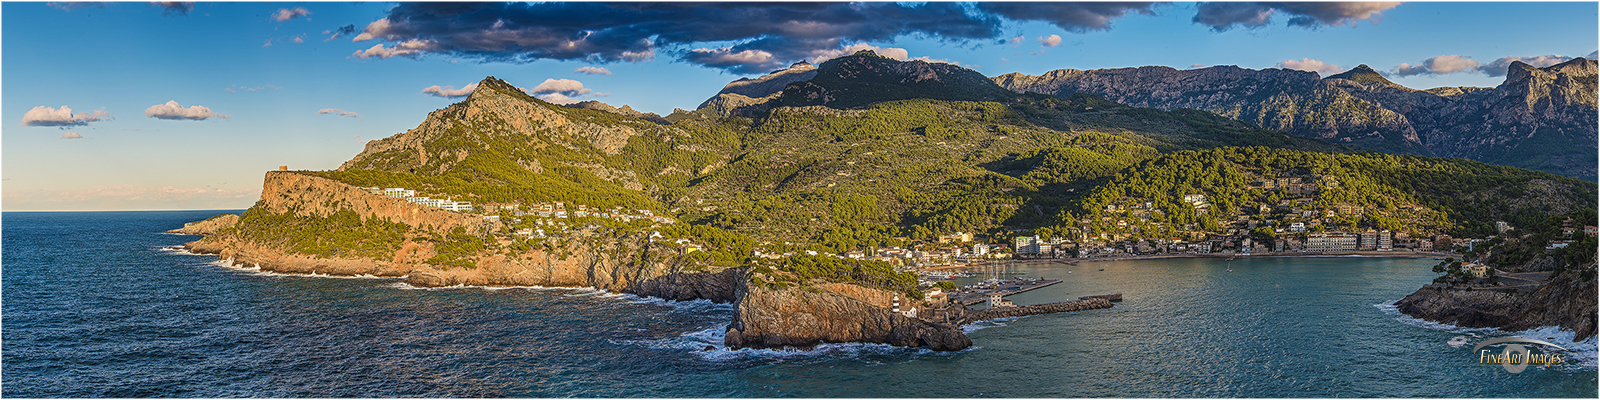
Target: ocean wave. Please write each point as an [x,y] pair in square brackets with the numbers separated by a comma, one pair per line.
[177,250]
[255,270]
[985,324]
[708,344]
[699,305]
[1585,354]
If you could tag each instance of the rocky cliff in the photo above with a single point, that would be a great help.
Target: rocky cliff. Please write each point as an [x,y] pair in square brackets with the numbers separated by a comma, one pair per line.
[1566,301]
[766,318]
[207,226]
[314,196]
[1540,118]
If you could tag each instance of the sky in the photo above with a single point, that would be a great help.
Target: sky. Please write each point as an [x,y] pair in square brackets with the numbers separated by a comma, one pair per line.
[172,105]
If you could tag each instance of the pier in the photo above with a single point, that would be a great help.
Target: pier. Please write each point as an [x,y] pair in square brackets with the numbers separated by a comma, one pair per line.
[1036,309]
[1003,288]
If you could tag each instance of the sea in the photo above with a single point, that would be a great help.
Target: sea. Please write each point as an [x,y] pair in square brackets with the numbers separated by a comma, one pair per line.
[96,305]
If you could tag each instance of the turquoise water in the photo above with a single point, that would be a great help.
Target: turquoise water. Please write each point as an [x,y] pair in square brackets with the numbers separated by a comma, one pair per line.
[93,307]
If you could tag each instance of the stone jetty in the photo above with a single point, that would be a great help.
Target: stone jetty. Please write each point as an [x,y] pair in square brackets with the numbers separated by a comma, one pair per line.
[1036,309]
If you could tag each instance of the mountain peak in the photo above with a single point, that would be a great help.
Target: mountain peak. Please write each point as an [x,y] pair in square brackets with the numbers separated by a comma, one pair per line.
[1361,74]
[865,78]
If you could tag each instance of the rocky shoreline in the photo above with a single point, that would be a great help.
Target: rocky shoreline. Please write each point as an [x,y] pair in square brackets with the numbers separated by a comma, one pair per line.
[1566,301]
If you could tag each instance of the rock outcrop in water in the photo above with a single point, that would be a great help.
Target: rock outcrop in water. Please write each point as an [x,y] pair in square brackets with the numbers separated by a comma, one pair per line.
[768,318]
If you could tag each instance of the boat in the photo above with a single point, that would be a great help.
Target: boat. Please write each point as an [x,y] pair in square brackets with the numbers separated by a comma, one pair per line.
[1102,269]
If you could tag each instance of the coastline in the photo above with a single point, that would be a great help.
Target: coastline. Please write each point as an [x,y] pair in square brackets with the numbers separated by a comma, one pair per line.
[1388,254]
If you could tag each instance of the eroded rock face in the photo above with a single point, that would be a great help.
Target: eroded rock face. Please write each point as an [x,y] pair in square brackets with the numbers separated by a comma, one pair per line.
[208,226]
[766,318]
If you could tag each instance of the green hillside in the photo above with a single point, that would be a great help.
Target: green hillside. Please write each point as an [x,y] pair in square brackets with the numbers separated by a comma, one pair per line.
[888,161]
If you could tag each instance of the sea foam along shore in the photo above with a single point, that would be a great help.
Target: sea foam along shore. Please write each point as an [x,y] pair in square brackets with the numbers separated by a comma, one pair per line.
[1585,354]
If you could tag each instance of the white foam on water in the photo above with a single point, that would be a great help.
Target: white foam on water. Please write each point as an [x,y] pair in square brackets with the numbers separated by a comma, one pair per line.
[985,324]
[697,343]
[177,250]
[676,306]
[1584,355]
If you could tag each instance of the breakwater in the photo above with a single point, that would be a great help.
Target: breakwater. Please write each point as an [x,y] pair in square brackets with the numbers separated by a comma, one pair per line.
[1036,309]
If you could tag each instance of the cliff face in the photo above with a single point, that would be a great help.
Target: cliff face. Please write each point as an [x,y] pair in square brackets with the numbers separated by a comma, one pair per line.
[766,318]
[623,264]
[313,196]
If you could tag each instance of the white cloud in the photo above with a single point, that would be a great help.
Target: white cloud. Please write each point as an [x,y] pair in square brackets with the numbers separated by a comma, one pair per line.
[172,110]
[1017,41]
[564,86]
[593,71]
[1445,64]
[1307,64]
[409,48]
[1202,65]
[1051,41]
[285,14]
[727,57]
[892,52]
[339,113]
[46,116]
[638,56]
[299,39]
[450,91]
[557,98]
[944,61]
[129,197]
[71,135]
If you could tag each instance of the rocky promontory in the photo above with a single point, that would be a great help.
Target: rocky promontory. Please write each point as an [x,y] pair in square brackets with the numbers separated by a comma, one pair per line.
[1566,301]
[768,318]
[207,226]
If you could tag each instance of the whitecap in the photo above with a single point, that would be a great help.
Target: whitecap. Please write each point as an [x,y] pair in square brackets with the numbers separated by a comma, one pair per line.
[1585,355]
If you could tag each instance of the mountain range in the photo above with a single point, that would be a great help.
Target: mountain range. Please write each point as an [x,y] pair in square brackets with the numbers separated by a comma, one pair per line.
[1539,118]
[742,199]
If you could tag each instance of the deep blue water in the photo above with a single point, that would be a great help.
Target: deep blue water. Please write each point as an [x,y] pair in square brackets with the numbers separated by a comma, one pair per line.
[93,307]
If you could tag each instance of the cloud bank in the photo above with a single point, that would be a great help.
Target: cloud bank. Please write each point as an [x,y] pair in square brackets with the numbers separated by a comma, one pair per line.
[172,110]
[128,197]
[1450,64]
[1223,16]
[46,116]
[1307,64]
[593,71]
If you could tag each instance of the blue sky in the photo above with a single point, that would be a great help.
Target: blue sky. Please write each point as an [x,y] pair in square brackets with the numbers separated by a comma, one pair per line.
[249,79]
